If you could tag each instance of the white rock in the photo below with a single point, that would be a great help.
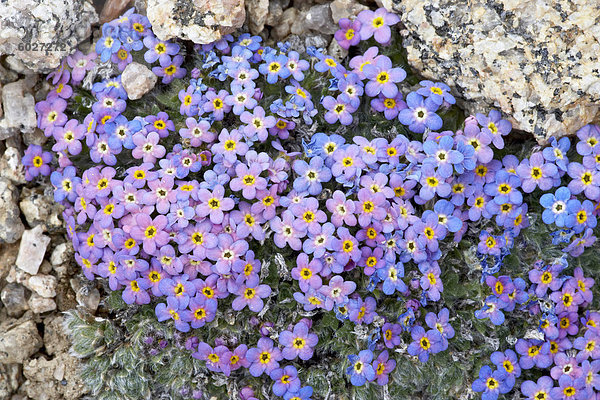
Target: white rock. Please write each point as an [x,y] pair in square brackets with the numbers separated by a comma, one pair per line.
[27,25]
[11,227]
[199,21]
[44,285]
[32,250]
[257,11]
[535,60]
[137,80]
[40,305]
[19,111]
[61,253]
[19,343]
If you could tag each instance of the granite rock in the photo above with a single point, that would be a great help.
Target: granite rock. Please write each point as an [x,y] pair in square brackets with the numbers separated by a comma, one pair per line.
[32,250]
[9,379]
[38,34]
[10,164]
[19,109]
[19,342]
[137,80]
[201,21]
[318,19]
[11,227]
[537,61]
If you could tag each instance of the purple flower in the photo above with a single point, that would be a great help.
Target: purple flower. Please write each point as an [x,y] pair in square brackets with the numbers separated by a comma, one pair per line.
[360,369]
[251,297]
[286,380]
[274,67]
[589,140]
[172,311]
[383,78]
[492,310]
[569,389]
[438,92]
[586,180]
[337,110]
[307,274]
[135,292]
[494,126]
[227,252]
[65,184]
[150,232]
[230,145]
[491,383]
[248,180]
[287,231]
[36,162]
[377,23]
[337,291]
[342,210]
[389,106]
[213,203]
[298,343]
[383,366]
[346,246]
[264,357]
[257,124]
[533,353]
[147,147]
[539,390]
[535,173]
[348,34]
[170,69]
[420,114]
[424,343]
[432,183]
[557,152]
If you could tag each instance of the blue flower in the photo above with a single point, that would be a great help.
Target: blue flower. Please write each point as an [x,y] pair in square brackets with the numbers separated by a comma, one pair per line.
[491,383]
[360,369]
[555,205]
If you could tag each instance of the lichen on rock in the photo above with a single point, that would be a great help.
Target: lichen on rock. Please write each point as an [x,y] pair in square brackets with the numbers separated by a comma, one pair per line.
[536,60]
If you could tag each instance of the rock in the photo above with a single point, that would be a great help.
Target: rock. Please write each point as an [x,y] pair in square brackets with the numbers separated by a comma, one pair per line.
[40,305]
[536,61]
[61,254]
[10,164]
[19,343]
[113,9]
[345,9]
[39,208]
[13,298]
[137,80]
[9,379]
[44,285]
[199,21]
[8,257]
[11,227]
[35,137]
[257,11]
[318,41]
[56,25]
[65,297]
[17,275]
[56,339]
[299,26]
[319,19]
[296,43]
[284,26]
[54,379]
[276,8]
[86,294]
[19,109]
[336,51]
[32,250]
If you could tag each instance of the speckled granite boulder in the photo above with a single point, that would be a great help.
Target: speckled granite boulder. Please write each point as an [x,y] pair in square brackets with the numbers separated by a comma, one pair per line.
[38,34]
[201,21]
[535,60]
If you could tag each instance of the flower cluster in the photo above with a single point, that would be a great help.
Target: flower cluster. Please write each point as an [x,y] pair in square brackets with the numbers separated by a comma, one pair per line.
[183,205]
